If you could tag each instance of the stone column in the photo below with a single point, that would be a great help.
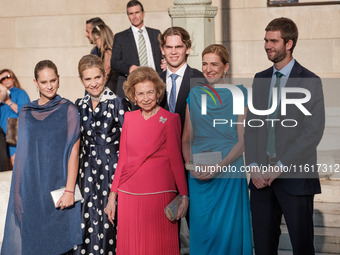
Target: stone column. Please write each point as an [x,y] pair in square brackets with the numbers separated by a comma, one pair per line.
[198,18]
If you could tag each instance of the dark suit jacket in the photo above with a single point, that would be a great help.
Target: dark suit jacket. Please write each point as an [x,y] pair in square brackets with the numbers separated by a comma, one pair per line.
[125,54]
[295,146]
[183,91]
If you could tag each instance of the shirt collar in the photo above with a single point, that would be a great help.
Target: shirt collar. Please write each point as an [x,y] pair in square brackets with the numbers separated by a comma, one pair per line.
[180,72]
[136,29]
[286,70]
[106,95]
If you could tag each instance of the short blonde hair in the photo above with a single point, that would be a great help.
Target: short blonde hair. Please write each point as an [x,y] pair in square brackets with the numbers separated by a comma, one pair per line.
[219,50]
[89,61]
[142,74]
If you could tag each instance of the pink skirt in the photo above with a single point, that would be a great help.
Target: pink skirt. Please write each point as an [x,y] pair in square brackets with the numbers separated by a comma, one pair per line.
[143,228]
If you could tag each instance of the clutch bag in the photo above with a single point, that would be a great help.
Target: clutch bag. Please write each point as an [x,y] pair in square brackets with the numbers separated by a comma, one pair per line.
[12,131]
[56,194]
[207,158]
[172,208]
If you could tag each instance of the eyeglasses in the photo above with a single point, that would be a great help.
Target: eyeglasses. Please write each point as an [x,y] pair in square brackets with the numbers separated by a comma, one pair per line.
[8,76]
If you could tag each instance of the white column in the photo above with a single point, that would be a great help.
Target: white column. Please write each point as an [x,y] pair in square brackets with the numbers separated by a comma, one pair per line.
[198,18]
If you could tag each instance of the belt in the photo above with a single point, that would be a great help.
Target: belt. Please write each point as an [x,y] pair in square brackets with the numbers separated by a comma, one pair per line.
[272,160]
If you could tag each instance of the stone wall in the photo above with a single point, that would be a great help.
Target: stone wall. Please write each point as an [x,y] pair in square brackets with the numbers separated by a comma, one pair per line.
[240,24]
[34,30]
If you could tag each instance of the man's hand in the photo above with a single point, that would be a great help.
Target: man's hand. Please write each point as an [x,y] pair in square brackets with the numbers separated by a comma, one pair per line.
[272,173]
[257,177]
[132,68]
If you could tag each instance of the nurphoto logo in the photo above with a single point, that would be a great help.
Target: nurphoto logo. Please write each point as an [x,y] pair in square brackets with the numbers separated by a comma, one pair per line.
[238,105]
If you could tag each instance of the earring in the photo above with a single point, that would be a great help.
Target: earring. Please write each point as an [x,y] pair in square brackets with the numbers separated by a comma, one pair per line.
[37,89]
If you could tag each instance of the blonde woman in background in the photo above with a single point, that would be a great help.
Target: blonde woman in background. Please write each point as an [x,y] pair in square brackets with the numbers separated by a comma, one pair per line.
[103,38]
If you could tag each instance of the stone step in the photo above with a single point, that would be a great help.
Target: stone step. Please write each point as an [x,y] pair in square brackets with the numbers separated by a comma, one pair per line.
[282,252]
[327,215]
[330,191]
[326,240]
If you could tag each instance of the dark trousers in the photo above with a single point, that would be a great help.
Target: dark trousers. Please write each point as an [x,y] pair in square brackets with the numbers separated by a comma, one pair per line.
[267,206]
[3,152]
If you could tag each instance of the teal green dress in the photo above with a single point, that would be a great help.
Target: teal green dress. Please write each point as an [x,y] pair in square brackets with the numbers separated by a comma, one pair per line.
[219,207]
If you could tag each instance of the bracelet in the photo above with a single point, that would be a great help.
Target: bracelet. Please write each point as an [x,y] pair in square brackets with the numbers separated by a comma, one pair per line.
[69,191]
[185,196]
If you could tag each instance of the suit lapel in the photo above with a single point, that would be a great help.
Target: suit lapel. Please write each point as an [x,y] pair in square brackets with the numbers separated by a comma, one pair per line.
[264,92]
[131,39]
[295,74]
[184,89]
[154,45]
[164,102]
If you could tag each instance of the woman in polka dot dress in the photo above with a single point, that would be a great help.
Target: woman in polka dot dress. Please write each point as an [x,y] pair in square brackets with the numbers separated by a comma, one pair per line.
[101,118]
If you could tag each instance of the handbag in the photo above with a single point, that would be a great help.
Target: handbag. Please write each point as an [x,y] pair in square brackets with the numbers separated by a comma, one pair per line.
[172,208]
[12,131]
[207,157]
[56,194]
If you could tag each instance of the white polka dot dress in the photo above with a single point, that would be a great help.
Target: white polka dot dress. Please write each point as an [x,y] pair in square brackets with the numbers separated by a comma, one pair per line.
[100,135]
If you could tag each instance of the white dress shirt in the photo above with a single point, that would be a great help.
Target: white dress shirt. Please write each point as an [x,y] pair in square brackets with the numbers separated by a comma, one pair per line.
[151,62]
[180,73]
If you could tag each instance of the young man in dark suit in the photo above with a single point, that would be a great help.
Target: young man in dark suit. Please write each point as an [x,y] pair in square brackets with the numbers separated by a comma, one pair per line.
[136,46]
[175,46]
[284,176]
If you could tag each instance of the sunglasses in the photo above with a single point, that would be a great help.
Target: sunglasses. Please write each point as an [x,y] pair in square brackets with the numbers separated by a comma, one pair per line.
[5,78]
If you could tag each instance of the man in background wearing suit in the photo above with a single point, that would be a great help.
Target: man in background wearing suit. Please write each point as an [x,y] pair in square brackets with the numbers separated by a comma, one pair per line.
[281,158]
[136,46]
[175,46]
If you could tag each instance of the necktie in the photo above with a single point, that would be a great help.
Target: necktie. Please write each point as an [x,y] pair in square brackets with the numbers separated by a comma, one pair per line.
[172,98]
[271,127]
[142,54]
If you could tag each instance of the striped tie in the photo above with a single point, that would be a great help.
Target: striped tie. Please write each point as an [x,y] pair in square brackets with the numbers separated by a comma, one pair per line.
[143,57]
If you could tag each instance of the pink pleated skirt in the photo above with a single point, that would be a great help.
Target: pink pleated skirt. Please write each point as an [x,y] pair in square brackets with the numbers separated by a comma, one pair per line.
[143,228]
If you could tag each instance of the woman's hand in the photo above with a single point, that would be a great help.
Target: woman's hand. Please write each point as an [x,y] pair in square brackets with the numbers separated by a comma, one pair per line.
[110,208]
[66,200]
[164,64]
[183,207]
[203,172]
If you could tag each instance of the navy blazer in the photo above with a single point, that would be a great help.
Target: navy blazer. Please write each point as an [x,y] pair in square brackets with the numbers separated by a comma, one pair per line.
[183,91]
[125,54]
[295,146]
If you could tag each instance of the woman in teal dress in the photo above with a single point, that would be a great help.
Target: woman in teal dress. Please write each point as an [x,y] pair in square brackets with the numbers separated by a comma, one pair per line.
[219,201]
